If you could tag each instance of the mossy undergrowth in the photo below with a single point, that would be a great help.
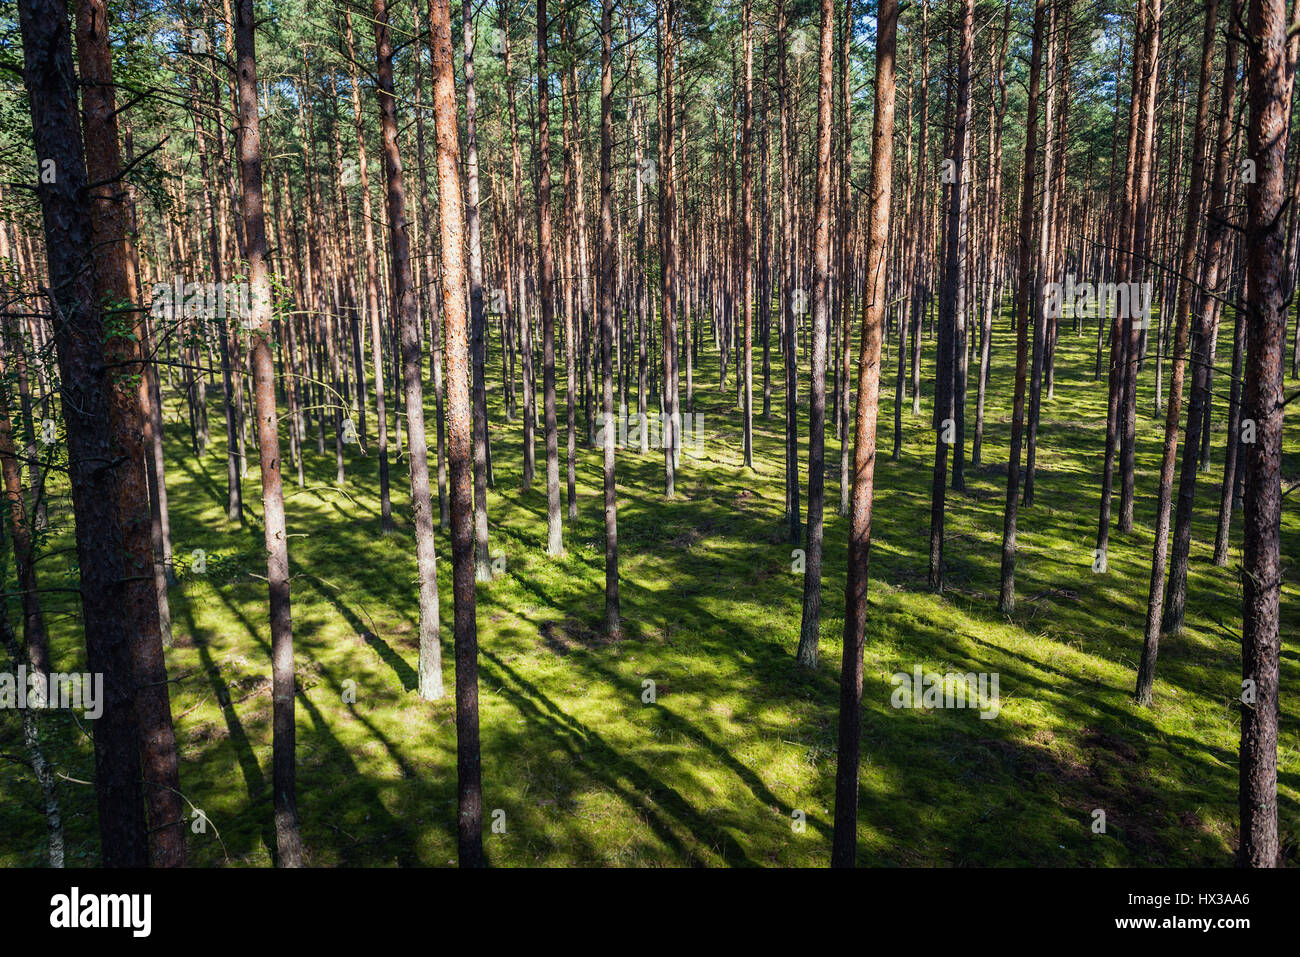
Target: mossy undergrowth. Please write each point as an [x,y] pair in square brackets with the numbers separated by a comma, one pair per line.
[739,745]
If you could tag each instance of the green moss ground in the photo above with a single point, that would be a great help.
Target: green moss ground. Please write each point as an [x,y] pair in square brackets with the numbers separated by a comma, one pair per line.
[740,738]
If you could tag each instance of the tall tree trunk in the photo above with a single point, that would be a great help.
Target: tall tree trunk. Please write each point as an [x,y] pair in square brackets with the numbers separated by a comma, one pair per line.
[1186,263]
[608,301]
[1231,459]
[788,283]
[1121,267]
[482,558]
[426,294]
[810,624]
[460,434]
[1266,311]
[116,281]
[408,321]
[1044,263]
[920,293]
[952,303]
[1137,271]
[569,270]
[747,234]
[1203,332]
[85,386]
[993,269]
[546,282]
[1007,590]
[844,252]
[668,244]
[372,287]
[35,637]
[521,302]
[880,191]
[288,840]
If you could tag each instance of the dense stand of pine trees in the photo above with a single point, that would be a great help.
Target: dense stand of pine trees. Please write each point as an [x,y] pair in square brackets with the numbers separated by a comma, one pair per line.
[862,178]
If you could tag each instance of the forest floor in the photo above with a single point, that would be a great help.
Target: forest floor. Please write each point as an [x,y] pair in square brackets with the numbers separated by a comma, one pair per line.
[739,744]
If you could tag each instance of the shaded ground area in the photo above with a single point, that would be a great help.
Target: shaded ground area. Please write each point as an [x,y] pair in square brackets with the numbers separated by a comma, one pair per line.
[739,745]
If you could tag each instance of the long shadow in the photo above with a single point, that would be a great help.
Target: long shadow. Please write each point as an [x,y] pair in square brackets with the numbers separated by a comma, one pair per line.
[404,672]
[358,784]
[407,770]
[762,660]
[254,781]
[576,737]
[197,470]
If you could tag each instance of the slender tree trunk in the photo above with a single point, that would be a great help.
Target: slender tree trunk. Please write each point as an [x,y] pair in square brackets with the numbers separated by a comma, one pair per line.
[1041,319]
[1187,257]
[460,434]
[546,280]
[668,245]
[408,321]
[289,850]
[844,256]
[993,269]
[482,558]
[1202,335]
[41,768]
[880,190]
[521,301]
[372,288]
[1121,257]
[788,283]
[1007,592]
[1136,324]
[35,636]
[952,304]
[747,234]
[426,292]
[569,271]
[1231,459]
[810,624]
[608,301]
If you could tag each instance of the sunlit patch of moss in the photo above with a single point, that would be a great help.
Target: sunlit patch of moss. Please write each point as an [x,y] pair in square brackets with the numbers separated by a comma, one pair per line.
[739,746]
